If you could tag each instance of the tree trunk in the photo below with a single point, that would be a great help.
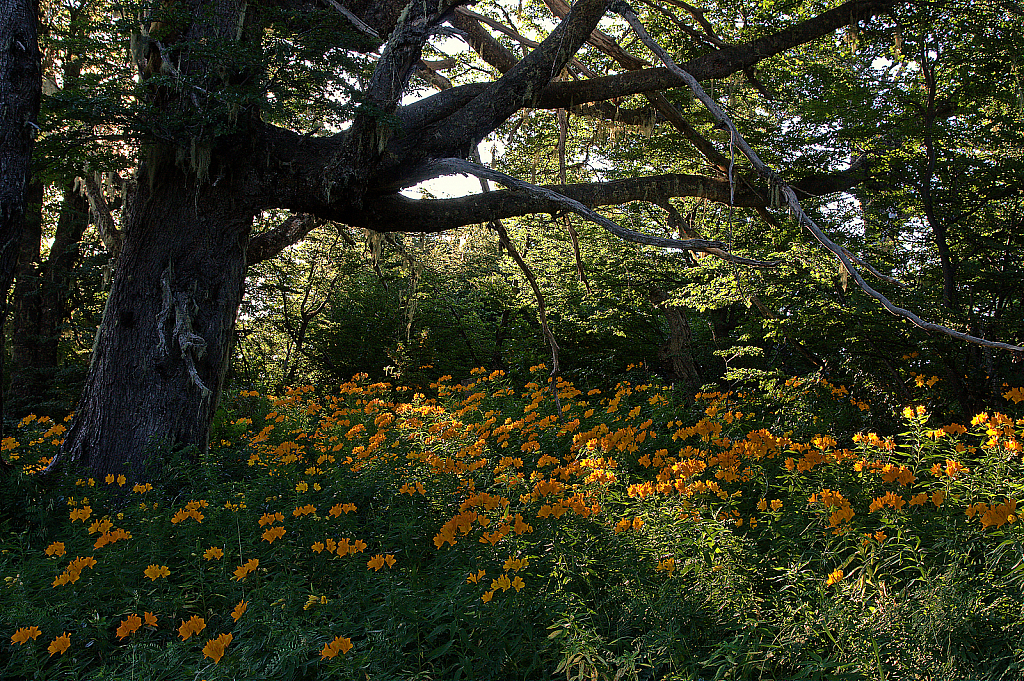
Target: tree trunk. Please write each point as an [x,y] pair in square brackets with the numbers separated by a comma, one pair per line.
[20,92]
[26,308]
[41,303]
[161,353]
[674,354]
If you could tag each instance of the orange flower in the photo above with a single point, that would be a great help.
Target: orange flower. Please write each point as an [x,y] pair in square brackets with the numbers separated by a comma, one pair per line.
[55,549]
[338,645]
[60,644]
[273,534]
[308,509]
[129,626]
[81,513]
[150,619]
[834,577]
[214,648]
[155,572]
[242,571]
[954,468]
[21,636]
[213,553]
[375,563]
[194,625]
[239,610]
[271,518]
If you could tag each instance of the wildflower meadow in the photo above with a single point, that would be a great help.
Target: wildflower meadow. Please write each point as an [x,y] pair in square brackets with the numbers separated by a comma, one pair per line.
[489,530]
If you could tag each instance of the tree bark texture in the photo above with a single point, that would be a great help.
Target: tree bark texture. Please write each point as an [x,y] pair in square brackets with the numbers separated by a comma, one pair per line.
[20,93]
[160,355]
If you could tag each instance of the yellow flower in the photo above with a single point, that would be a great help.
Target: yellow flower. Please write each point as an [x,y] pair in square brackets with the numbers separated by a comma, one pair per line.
[155,572]
[375,563]
[214,648]
[763,505]
[834,577]
[129,626]
[518,583]
[150,619]
[194,625]
[21,636]
[121,480]
[474,578]
[338,645]
[239,610]
[358,546]
[776,504]
[60,644]
[390,560]
[213,553]
[318,547]
[486,598]
[110,478]
[55,549]
[302,486]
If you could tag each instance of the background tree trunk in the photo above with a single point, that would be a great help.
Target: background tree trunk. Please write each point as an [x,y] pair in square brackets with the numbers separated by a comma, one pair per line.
[20,93]
[161,353]
[674,355]
[41,304]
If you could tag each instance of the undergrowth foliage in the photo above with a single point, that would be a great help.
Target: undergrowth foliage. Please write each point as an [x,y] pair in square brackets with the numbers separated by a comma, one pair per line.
[489,531]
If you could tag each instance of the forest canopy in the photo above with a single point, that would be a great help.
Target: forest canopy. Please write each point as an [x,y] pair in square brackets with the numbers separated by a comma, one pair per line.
[713,183]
